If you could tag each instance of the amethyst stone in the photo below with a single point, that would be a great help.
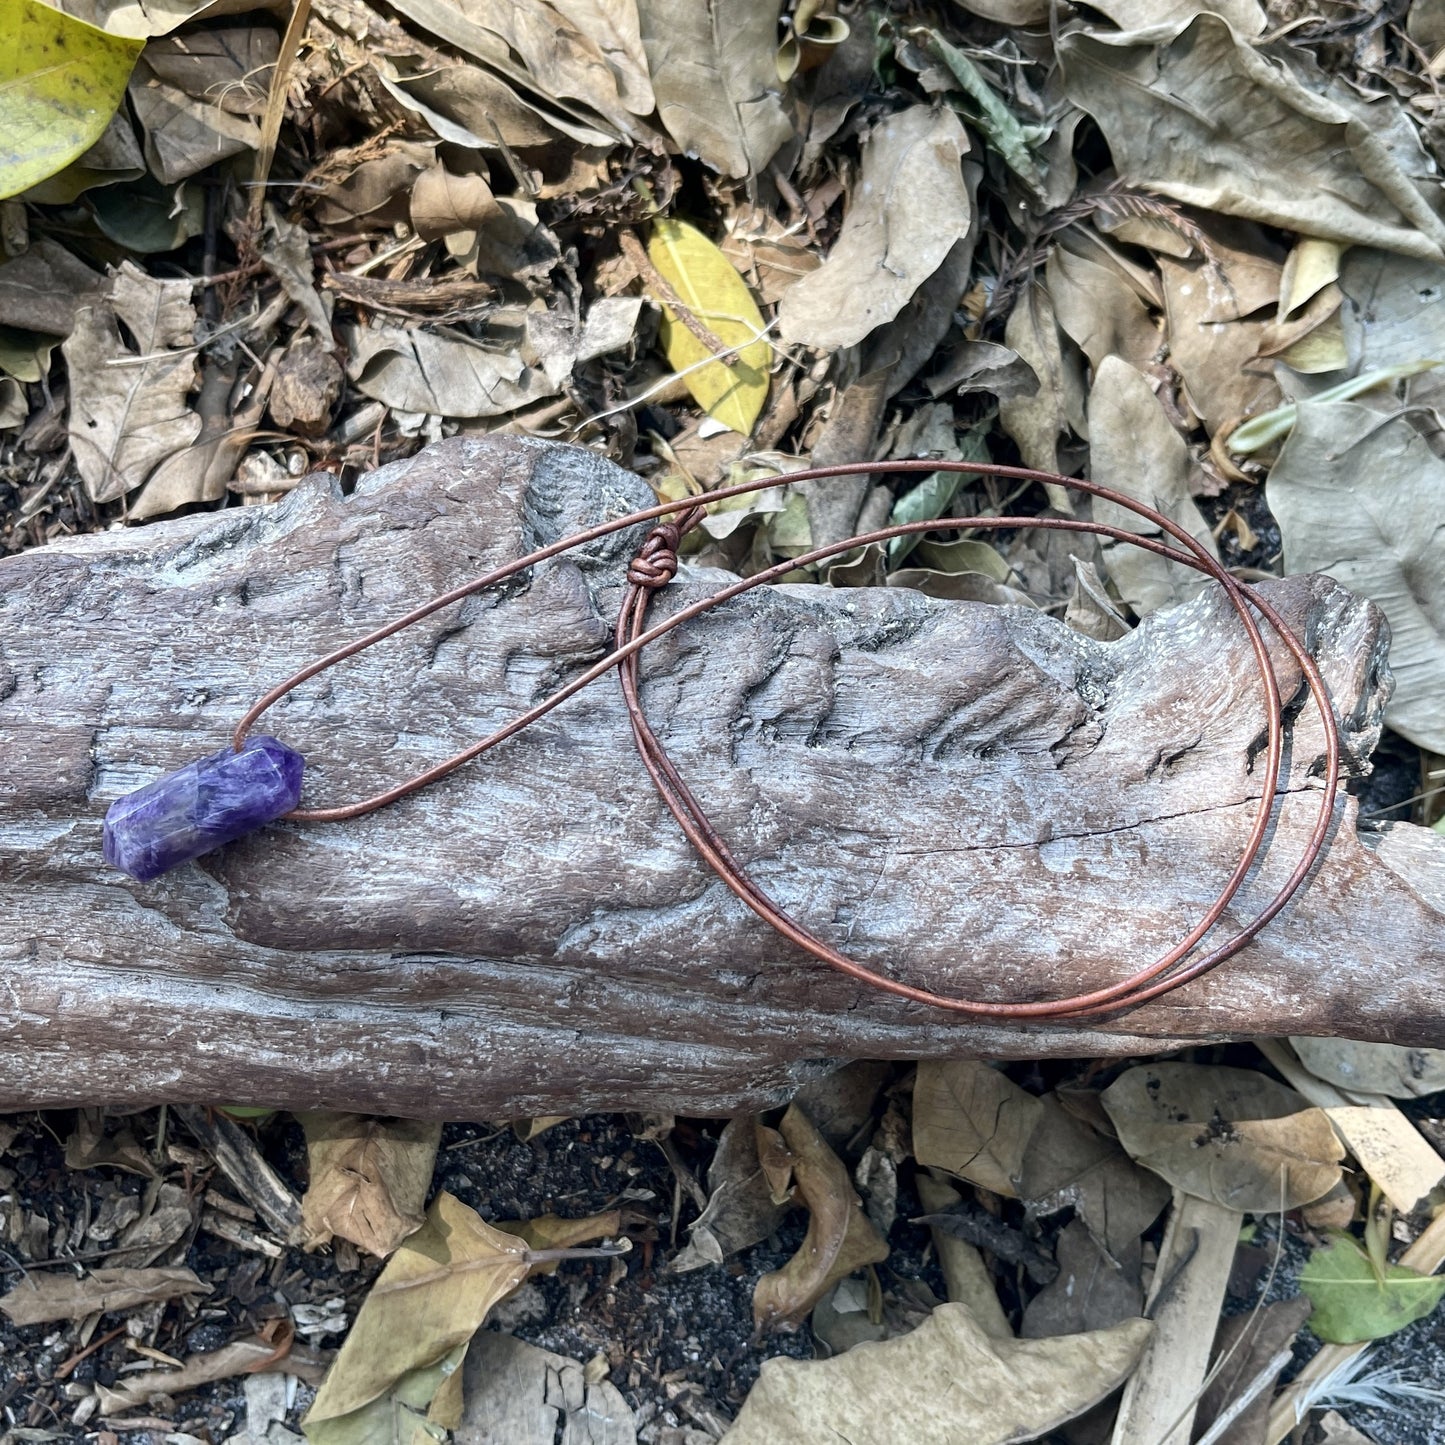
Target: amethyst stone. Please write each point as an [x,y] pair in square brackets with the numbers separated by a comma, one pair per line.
[203,805]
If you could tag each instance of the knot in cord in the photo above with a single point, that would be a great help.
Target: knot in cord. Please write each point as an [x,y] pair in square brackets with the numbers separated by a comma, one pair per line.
[656,562]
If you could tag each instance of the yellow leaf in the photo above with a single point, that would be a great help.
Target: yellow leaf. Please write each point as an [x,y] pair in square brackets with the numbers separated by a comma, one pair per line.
[731,392]
[427,1303]
[60,82]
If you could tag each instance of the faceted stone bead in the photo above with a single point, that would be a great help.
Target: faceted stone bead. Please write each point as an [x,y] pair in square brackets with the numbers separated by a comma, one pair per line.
[212,801]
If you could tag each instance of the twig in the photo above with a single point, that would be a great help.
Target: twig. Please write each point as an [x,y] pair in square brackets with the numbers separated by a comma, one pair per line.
[657,283]
[276,111]
[66,1366]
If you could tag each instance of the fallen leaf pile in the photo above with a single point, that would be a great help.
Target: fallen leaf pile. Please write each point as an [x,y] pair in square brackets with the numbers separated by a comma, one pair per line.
[964,1253]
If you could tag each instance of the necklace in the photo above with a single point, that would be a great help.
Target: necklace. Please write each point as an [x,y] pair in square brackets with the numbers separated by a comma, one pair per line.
[257,779]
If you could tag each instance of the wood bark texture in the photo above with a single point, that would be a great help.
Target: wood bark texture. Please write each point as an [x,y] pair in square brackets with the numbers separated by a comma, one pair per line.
[969,797]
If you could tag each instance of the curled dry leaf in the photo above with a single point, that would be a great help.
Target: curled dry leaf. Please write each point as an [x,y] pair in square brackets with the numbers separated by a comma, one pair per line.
[732,390]
[128,409]
[1233,1136]
[240,1357]
[840,1237]
[369,1178]
[426,1304]
[740,1209]
[1360,497]
[40,1297]
[584,55]
[943,1384]
[974,1122]
[1200,116]
[1134,449]
[890,243]
[714,73]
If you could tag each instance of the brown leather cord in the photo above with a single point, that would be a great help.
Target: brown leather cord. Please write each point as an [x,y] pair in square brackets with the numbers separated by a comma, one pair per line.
[656,564]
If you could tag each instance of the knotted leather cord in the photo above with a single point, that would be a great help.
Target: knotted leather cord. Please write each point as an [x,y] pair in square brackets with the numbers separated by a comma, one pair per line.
[656,564]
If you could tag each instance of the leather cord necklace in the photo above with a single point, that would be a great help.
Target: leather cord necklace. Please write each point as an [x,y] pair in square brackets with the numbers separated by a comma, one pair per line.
[257,779]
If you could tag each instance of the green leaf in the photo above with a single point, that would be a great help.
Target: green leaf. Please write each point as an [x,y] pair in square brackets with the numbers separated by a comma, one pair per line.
[1352,1302]
[60,82]
[1272,426]
[1003,132]
[423,1309]
[733,391]
[931,497]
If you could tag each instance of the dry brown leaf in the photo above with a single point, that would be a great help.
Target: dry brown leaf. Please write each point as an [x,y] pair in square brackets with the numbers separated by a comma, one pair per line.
[1233,1136]
[946,1383]
[427,1303]
[714,74]
[1134,449]
[1100,310]
[583,51]
[443,372]
[973,1121]
[43,288]
[41,1297]
[442,204]
[1360,497]
[241,1357]
[369,1178]
[227,65]
[469,106]
[740,1209]
[1215,325]
[1037,419]
[1069,1165]
[840,1237]
[128,409]
[889,245]
[184,135]
[1200,116]
[1090,1292]
[1389,1069]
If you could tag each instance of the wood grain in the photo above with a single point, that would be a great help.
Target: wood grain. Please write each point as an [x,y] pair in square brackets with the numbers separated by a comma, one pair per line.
[975,798]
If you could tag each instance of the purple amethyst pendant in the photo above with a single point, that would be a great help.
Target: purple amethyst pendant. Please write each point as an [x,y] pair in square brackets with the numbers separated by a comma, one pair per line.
[212,801]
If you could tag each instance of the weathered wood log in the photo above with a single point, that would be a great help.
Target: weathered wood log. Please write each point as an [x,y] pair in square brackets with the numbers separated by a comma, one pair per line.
[971,797]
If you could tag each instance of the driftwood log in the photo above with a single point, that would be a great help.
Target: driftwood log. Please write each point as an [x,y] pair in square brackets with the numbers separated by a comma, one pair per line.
[972,797]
